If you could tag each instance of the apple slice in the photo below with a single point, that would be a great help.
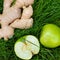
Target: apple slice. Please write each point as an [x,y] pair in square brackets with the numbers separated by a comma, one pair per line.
[26,47]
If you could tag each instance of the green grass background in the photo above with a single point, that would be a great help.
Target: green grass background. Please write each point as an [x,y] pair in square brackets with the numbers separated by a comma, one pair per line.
[45,11]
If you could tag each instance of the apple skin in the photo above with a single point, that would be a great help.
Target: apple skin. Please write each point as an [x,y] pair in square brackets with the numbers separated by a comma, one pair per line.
[50,36]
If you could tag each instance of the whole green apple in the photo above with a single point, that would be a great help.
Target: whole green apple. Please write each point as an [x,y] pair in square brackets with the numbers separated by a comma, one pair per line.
[50,36]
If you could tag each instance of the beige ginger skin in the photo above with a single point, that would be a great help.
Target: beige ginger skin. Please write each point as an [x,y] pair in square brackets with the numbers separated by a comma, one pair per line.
[12,17]
[26,21]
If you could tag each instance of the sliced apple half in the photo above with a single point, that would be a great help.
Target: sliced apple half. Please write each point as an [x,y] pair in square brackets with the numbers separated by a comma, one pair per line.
[26,47]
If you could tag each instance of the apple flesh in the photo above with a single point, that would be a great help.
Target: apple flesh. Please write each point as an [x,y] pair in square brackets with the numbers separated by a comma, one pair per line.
[26,47]
[50,36]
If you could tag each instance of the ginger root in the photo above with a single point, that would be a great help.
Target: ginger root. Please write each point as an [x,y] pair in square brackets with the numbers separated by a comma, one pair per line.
[13,17]
[6,32]
[25,21]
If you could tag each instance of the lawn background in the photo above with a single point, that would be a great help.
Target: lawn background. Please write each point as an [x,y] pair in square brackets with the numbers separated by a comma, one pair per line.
[45,11]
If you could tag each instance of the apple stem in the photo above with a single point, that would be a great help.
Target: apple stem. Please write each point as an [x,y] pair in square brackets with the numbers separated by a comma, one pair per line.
[32,43]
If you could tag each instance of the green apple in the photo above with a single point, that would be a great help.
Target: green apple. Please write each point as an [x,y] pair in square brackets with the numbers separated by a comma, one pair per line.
[26,47]
[50,36]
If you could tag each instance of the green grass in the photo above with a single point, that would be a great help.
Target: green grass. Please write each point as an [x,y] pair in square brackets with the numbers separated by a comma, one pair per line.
[45,11]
